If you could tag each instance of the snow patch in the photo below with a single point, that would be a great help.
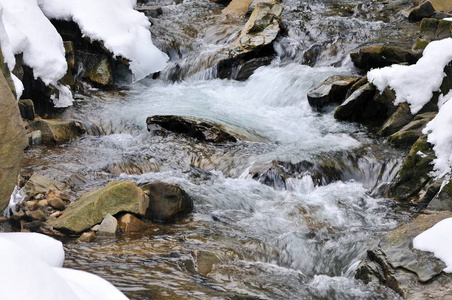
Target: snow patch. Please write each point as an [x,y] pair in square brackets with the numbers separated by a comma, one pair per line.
[122,30]
[437,240]
[415,84]
[30,32]
[440,136]
[31,269]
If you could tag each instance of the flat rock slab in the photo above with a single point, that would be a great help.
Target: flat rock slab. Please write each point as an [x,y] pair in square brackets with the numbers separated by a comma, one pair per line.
[92,207]
[332,90]
[414,274]
[39,184]
[201,130]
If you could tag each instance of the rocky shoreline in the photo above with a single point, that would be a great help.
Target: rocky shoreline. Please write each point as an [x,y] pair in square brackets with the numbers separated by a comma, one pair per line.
[51,207]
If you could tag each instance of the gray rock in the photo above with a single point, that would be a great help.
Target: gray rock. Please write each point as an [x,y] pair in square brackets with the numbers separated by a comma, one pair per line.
[41,184]
[412,273]
[332,90]
[200,130]
[56,132]
[442,200]
[109,226]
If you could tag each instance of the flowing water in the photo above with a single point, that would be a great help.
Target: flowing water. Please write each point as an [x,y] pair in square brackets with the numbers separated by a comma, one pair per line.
[245,240]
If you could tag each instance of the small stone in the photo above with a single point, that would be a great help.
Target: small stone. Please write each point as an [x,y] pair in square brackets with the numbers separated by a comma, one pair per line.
[43,203]
[31,205]
[64,196]
[130,223]
[87,237]
[39,197]
[37,215]
[56,214]
[109,226]
[95,228]
[34,138]
[19,215]
[57,203]
[3,219]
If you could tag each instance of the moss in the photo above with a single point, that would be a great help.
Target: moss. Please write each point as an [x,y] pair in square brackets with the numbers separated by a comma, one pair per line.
[428,27]
[402,139]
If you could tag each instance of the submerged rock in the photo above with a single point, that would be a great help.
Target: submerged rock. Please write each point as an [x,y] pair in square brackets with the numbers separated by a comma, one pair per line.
[333,90]
[92,207]
[167,202]
[200,130]
[372,57]
[57,131]
[412,273]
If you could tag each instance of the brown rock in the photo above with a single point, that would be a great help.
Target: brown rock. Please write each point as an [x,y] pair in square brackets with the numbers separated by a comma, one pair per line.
[12,138]
[372,57]
[37,215]
[130,223]
[43,203]
[87,237]
[167,202]
[57,203]
[31,205]
[237,8]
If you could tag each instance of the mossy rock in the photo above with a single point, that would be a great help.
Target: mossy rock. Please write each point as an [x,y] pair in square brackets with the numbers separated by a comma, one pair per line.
[409,134]
[415,171]
[92,207]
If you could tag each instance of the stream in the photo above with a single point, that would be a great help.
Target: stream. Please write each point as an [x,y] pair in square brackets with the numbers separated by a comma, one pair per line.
[244,240]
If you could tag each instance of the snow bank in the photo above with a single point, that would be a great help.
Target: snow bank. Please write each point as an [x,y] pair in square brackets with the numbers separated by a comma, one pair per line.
[30,32]
[31,270]
[123,30]
[415,84]
[438,240]
[440,136]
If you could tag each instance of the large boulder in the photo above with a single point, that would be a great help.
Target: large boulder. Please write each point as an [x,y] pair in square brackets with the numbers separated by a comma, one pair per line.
[372,57]
[333,90]
[12,140]
[412,273]
[92,207]
[201,130]
[57,131]
[167,202]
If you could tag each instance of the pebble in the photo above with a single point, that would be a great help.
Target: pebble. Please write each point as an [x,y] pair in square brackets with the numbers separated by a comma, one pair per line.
[87,237]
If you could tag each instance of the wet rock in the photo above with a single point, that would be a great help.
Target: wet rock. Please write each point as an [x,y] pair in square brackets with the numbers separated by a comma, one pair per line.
[70,54]
[87,237]
[410,133]
[41,184]
[58,131]
[415,171]
[130,223]
[353,106]
[412,273]
[34,138]
[12,139]
[200,130]
[27,109]
[442,200]
[276,173]
[109,226]
[151,11]
[401,117]
[434,29]
[31,205]
[102,74]
[90,209]
[332,90]
[429,8]
[419,46]
[205,261]
[372,57]
[253,48]
[167,202]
